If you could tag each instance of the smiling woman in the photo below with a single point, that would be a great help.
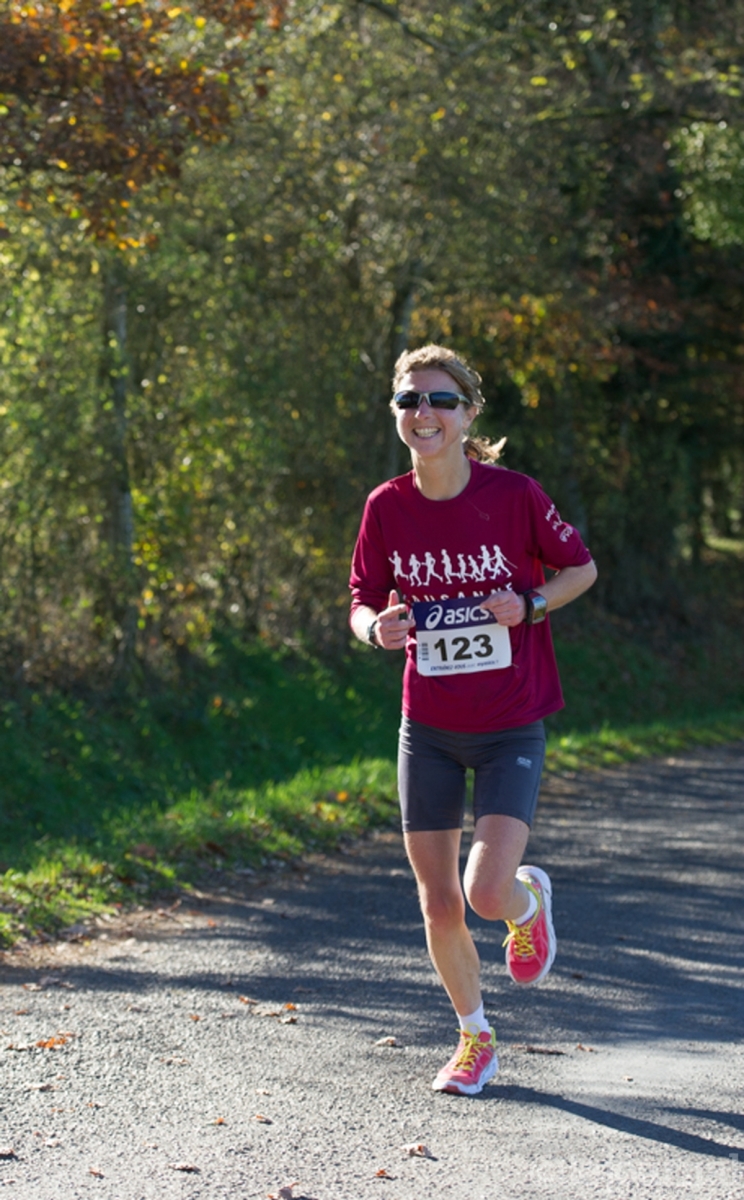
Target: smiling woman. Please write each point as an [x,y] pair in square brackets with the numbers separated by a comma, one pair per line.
[479,678]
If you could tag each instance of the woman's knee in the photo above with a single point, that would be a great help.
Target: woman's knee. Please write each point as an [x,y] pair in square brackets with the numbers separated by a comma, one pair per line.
[490,898]
[442,908]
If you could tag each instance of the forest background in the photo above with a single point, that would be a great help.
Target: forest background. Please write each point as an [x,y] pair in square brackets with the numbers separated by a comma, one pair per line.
[219,226]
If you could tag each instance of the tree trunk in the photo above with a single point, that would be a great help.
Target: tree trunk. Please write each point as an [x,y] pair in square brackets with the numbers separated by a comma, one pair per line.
[121,583]
[403,305]
[576,511]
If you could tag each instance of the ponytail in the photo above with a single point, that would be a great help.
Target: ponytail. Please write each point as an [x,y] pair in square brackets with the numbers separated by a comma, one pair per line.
[482,449]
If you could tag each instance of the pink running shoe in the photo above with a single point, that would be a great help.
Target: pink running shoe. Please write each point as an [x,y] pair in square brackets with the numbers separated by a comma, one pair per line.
[471,1066]
[530,948]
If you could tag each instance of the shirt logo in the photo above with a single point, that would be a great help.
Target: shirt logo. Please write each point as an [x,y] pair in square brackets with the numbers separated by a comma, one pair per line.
[449,614]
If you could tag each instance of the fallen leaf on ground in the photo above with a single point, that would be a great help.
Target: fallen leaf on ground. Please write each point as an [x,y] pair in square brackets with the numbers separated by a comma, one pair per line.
[537,1049]
[95,1171]
[263,1092]
[19,1046]
[288,1019]
[52,1142]
[52,1043]
[75,933]
[219,1121]
[39,1087]
[416,1150]
[290,1007]
[167,912]
[284,1193]
[262,1119]
[589,1049]
[247,1000]
[189,1167]
[7,1152]
[387,1041]
[383,1174]
[194,1017]
[228,1016]
[21,1012]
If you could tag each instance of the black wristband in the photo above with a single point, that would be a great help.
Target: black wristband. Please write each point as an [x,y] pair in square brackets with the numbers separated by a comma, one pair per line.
[371,639]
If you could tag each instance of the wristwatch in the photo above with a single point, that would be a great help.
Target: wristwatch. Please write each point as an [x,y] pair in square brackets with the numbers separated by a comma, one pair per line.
[537,608]
[370,635]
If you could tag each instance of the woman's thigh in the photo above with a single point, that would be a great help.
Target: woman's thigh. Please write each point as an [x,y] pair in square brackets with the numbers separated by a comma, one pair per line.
[507,773]
[499,843]
[431,780]
[432,765]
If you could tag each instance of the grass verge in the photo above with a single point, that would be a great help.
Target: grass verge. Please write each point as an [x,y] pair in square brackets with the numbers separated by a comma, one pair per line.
[262,755]
[608,747]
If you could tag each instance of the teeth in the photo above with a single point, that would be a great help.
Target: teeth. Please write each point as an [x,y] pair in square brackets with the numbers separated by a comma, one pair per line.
[426,433]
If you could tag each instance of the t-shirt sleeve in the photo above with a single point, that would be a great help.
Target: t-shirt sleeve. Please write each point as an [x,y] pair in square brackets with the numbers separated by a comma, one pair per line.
[556,543]
[371,572]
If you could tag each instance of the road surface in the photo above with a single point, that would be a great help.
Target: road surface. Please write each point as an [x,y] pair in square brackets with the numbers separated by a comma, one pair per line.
[237,1035]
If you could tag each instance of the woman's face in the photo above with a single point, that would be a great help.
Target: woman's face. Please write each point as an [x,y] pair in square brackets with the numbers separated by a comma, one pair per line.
[431,433]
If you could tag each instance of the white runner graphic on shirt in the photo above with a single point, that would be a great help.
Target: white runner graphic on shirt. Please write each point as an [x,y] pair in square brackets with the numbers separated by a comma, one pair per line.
[459,637]
[488,563]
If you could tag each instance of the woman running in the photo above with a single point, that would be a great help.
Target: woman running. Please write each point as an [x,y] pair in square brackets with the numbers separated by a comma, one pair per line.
[448,565]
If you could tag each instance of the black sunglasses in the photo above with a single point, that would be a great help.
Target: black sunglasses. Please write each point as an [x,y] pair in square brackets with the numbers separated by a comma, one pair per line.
[448,400]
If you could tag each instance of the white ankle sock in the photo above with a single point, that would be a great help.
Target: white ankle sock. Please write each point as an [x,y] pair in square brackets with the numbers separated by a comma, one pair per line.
[475,1022]
[531,910]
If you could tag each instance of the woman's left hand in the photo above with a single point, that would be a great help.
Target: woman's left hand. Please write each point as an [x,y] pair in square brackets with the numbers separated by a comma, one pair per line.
[508,608]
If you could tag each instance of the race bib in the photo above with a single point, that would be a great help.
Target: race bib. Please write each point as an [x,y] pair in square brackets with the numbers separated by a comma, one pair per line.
[457,637]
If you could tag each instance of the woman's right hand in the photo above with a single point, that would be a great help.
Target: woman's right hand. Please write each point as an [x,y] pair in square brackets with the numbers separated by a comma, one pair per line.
[393,624]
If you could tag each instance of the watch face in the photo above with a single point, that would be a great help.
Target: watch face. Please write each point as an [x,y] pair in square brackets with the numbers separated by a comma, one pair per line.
[539,608]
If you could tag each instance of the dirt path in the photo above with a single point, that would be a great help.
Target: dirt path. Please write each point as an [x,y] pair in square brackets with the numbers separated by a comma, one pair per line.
[237,1037]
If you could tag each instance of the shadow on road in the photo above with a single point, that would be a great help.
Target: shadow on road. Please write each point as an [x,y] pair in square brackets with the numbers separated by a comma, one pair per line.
[621,1122]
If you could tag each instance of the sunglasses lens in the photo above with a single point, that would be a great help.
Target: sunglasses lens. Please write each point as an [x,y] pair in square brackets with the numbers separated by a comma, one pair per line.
[407,399]
[444,400]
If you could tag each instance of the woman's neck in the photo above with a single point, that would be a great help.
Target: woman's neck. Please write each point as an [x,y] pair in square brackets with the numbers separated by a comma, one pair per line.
[441,480]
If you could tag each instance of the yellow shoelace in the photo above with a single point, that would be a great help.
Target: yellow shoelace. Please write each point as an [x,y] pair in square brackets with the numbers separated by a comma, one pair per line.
[521,938]
[469,1051]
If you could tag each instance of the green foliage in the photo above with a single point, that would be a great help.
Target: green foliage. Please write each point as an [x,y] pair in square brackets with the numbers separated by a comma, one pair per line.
[97,98]
[190,425]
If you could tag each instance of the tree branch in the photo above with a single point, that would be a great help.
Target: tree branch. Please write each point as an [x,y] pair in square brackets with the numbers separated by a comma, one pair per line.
[392,13]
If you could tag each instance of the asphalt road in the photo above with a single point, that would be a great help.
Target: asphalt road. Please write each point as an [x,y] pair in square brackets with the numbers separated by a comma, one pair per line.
[236,1035]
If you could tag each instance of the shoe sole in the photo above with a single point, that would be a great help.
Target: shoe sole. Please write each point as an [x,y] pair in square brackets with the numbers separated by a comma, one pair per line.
[536,873]
[470,1089]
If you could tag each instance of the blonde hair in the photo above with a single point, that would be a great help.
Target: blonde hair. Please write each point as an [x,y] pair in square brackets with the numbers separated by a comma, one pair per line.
[439,358]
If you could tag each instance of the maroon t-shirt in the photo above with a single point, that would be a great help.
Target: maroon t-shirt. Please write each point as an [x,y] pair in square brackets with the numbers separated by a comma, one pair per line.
[497,534]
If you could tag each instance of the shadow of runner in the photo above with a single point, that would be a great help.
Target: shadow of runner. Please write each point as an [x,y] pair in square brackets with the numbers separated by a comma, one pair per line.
[636,1126]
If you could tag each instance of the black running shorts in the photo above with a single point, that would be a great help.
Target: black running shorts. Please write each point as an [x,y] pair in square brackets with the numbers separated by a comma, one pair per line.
[432,765]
